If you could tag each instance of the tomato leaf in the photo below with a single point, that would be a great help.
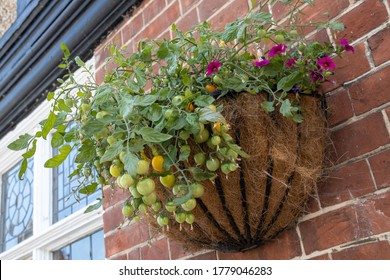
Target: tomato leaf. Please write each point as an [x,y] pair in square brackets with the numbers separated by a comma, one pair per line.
[286,83]
[200,174]
[151,135]
[58,159]
[31,152]
[182,199]
[112,151]
[21,143]
[268,106]
[130,162]
[206,114]
[91,188]
[49,124]
[57,140]
[23,168]
[95,206]
[86,152]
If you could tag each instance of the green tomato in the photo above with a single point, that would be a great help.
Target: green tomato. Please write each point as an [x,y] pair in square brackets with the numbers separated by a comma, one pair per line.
[134,192]
[217,80]
[180,217]
[168,180]
[225,168]
[197,190]
[126,181]
[187,92]
[68,102]
[111,140]
[127,210]
[262,33]
[85,107]
[212,164]
[216,140]
[170,208]
[101,114]
[143,167]
[189,204]
[146,186]
[156,206]
[200,158]
[136,218]
[294,33]
[162,220]
[190,218]
[101,180]
[184,135]
[116,170]
[279,38]
[202,137]
[168,113]
[143,207]
[150,198]
[233,167]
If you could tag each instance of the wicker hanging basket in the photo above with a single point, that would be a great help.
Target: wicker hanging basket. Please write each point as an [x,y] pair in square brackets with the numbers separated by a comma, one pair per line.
[269,190]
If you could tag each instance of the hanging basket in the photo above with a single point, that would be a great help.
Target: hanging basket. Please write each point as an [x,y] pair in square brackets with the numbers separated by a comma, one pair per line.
[269,190]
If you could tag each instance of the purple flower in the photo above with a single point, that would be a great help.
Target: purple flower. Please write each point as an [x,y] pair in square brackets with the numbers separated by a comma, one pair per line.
[261,63]
[290,62]
[278,49]
[347,46]
[326,63]
[316,76]
[213,67]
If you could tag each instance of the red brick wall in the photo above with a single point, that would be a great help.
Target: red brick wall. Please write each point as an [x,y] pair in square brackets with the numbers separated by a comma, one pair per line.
[349,216]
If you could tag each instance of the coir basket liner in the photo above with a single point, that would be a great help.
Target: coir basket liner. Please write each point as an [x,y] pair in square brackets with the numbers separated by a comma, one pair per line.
[268,192]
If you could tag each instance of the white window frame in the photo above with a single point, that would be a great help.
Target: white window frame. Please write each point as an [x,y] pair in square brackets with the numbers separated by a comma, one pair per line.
[47,237]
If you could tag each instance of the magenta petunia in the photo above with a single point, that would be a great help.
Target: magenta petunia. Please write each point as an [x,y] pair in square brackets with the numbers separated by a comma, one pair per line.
[290,62]
[261,63]
[213,67]
[326,63]
[346,45]
[278,49]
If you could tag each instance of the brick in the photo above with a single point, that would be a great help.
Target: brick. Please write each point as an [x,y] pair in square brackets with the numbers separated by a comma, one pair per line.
[339,107]
[187,5]
[111,196]
[237,8]
[112,218]
[371,251]
[208,8]
[346,224]
[134,255]
[322,11]
[126,238]
[348,67]
[152,10]
[374,214]
[330,229]
[312,204]
[380,166]
[178,251]
[362,19]
[280,10]
[157,251]
[132,27]
[288,240]
[379,45]
[349,182]
[205,256]
[371,91]
[160,24]
[359,137]
[188,21]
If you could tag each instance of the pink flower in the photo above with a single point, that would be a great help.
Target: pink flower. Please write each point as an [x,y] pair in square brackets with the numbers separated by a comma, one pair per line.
[347,46]
[213,67]
[261,63]
[290,62]
[278,49]
[326,63]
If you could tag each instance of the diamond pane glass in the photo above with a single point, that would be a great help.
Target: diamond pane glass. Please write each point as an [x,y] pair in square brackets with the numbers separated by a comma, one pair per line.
[90,247]
[16,206]
[66,199]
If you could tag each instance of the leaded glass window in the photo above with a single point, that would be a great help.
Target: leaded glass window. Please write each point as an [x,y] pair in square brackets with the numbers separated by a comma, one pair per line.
[90,247]
[66,198]
[16,207]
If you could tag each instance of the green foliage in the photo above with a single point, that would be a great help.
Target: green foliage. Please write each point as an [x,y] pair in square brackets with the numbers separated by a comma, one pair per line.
[157,108]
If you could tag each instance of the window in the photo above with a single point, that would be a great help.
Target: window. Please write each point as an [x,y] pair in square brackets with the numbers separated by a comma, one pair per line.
[49,223]
[16,207]
[87,248]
